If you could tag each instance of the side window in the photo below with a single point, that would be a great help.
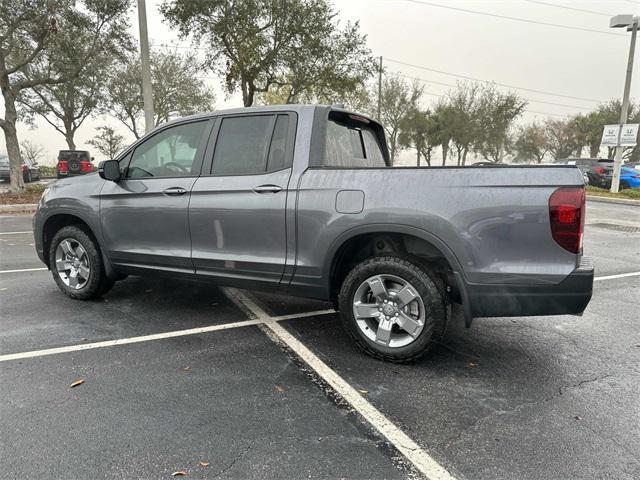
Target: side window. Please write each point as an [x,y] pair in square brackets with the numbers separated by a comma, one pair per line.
[348,146]
[170,153]
[242,145]
[277,159]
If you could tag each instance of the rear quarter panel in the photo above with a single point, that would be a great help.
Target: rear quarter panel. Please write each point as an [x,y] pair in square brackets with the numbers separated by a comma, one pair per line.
[495,221]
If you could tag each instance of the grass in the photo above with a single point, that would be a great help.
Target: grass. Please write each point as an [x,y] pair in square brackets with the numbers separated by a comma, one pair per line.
[31,194]
[626,193]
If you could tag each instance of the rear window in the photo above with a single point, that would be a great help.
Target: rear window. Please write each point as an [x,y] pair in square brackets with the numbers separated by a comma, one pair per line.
[352,145]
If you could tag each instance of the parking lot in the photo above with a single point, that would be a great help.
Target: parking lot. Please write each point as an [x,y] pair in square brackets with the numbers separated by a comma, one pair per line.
[217,383]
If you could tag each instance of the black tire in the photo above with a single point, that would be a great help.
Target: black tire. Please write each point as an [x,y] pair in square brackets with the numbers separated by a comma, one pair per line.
[427,286]
[624,185]
[97,284]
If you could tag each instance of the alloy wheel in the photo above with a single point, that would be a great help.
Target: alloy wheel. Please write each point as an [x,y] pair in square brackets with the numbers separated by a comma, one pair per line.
[72,263]
[389,310]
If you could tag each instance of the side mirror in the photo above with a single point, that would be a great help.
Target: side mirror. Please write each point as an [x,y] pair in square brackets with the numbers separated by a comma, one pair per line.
[92,159]
[110,170]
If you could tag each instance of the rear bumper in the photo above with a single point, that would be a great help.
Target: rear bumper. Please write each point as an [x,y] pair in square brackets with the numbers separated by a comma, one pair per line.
[569,297]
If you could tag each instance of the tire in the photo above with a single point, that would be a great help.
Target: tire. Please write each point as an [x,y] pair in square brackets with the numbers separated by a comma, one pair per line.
[586,179]
[624,185]
[27,177]
[427,309]
[87,285]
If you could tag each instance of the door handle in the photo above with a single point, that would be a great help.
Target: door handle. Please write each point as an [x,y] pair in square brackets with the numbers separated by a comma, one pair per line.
[174,191]
[267,189]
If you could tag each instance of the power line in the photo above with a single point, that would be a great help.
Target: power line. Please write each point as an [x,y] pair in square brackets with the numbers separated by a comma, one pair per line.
[515,19]
[467,77]
[569,8]
[525,98]
[526,110]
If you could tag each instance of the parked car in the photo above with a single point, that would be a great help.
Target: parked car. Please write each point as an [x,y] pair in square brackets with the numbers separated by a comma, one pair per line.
[73,162]
[30,170]
[303,200]
[587,164]
[602,176]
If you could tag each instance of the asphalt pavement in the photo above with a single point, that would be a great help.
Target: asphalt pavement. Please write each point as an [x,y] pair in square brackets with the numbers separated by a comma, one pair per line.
[543,398]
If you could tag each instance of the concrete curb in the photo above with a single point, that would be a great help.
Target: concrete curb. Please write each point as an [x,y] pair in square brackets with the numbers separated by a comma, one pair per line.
[19,208]
[619,201]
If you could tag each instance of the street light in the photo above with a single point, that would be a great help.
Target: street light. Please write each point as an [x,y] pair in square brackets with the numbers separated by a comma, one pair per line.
[631,22]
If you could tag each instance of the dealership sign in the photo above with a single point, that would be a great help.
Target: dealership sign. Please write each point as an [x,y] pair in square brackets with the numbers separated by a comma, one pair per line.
[620,135]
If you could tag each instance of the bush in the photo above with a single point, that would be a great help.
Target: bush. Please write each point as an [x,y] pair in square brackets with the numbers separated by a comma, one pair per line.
[35,188]
[633,193]
[47,171]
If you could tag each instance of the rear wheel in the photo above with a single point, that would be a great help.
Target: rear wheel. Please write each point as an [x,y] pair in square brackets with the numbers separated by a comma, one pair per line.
[392,308]
[624,184]
[76,264]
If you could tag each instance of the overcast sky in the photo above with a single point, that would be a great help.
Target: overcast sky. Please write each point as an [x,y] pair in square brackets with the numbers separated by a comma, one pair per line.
[529,56]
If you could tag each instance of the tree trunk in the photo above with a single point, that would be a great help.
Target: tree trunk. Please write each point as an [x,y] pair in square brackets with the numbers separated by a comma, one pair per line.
[417,158]
[11,139]
[594,150]
[445,148]
[69,138]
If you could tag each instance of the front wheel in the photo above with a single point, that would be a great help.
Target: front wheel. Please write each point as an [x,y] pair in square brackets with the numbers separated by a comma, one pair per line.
[76,264]
[393,308]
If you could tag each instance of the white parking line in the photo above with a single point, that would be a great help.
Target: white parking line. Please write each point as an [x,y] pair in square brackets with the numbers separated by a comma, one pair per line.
[24,270]
[620,275]
[421,460]
[15,233]
[155,336]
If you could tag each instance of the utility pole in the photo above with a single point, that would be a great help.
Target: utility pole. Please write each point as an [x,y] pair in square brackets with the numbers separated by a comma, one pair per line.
[147,92]
[617,163]
[379,87]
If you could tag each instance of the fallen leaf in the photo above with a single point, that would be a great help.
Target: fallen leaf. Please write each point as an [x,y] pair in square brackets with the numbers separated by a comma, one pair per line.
[179,473]
[578,418]
[364,391]
[203,463]
[3,289]
[149,290]
[83,339]
[76,383]
[472,365]
[187,368]
[279,389]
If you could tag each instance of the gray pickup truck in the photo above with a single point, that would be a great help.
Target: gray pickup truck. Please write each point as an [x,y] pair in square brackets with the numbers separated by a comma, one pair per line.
[302,200]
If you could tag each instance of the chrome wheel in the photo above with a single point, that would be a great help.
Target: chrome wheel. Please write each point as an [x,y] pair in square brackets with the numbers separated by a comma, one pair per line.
[72,263]
[389,311]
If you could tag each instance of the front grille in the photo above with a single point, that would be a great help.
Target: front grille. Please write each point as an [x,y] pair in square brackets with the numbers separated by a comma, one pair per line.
[616,227]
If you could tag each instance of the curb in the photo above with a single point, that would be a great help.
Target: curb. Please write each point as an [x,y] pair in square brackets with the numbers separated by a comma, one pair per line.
[619,201]
[19,208]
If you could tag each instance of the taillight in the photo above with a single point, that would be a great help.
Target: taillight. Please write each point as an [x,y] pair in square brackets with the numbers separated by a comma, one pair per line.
[24,168]
[566,216]
[599,170]
[85,166]
[63,166]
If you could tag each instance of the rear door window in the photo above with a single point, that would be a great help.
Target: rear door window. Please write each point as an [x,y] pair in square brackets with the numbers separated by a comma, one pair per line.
[252,145]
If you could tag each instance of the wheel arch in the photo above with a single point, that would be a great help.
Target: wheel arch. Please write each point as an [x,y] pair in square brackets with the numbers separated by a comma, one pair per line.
[379,239]
[58,220]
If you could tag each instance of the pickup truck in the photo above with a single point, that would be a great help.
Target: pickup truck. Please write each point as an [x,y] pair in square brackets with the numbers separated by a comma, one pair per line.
[303,199]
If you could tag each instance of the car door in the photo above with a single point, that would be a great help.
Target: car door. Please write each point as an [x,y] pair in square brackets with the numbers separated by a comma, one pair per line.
[237,209]
[145,216]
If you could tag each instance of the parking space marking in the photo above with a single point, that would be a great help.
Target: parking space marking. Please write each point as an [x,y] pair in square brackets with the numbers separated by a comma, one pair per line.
[15,233]
[421,460]
[39,269]
[620,275]
[152,337]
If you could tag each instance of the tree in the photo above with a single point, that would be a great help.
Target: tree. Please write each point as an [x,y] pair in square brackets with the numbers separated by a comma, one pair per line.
[294,46]
[563,140]
[49,42]
[67,105]
[443,115]
[398,101]
[31,151]
[496,112]
[464,118]
[531,142]
[417,131]
[108,142]
[177,89]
